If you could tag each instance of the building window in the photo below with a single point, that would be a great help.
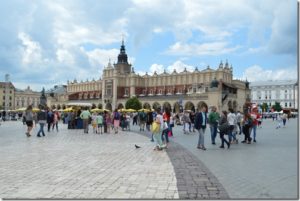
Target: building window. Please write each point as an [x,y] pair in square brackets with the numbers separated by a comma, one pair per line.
[3,97]
[290,104]
[285,104]
[259,98]
[126,92]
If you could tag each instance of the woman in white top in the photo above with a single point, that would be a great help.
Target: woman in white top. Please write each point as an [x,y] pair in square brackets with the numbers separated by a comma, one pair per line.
[157,135]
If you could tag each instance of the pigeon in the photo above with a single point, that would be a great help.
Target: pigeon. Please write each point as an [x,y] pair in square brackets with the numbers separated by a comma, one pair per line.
[136,146]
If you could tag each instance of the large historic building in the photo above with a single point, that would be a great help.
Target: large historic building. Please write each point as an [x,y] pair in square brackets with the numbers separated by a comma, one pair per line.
[285,92]
[26,97]
[176,90]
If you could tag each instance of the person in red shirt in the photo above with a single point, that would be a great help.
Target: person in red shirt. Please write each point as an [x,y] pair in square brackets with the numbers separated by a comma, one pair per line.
[255,116]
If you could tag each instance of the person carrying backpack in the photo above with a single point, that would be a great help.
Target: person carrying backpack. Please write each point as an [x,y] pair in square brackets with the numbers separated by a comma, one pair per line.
[116,119]
[143,118]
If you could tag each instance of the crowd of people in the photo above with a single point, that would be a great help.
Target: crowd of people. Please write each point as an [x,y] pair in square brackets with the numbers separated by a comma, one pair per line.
[226,124]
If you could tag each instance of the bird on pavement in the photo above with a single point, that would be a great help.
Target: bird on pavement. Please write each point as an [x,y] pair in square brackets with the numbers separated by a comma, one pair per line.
[136,146]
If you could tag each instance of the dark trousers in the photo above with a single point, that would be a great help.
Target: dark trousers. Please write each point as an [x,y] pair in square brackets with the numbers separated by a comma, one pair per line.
[86,125]
[49,126]
[240,128]
[222,136]
[246,131]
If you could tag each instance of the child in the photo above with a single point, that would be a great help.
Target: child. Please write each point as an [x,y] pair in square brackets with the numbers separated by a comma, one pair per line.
[94,122]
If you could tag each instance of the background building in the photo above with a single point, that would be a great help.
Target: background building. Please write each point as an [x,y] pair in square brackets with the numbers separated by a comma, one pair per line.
[7,95]
[285,92]
[26,97]
[184,90]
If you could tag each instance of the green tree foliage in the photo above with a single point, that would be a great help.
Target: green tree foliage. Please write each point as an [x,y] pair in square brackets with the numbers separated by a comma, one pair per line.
[264,107]
[133,103]
[277,107]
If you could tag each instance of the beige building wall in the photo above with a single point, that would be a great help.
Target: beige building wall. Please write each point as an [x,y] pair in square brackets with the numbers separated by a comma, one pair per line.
[10,92]
[24,98]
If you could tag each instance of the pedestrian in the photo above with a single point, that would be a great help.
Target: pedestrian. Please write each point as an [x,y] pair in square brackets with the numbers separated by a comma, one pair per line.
[239,117]
[231,118]
[157,129]
[279,120]
[116,119]
[127,121]
[192,123]
[224,129]
[29,120]
[85,115]
[166,126]
[55,120]
[142,120]
[108,121]
[200,126]
[247,124]
[94,122]
[284,117]
[134,119]
[255,117]
[213,119]
[42,120]
[99,120]
[50,119]
[186,121]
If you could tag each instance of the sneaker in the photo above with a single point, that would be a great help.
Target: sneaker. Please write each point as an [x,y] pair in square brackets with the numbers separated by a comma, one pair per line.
[254,140]
[222,147]
[38,136]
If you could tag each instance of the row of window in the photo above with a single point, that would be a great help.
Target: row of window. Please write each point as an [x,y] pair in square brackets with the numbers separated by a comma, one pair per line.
[10,98]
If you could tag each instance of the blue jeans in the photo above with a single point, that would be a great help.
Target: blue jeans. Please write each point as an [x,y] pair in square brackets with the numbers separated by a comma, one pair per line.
[201,132]
[213,132]
[41,129]
[254,131]
[231,133]
[165,133]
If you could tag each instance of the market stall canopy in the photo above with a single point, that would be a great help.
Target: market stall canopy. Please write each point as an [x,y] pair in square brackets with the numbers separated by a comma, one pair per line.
[99,110]
[144,110]
[69,109]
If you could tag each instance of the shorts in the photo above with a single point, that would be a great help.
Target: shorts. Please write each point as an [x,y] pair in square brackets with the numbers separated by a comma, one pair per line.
[29,123]
[100,125]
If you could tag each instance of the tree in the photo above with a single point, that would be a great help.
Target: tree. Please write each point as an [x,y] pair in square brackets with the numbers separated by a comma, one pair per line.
[265,107]
[100,106]
[277,107]
[133,103]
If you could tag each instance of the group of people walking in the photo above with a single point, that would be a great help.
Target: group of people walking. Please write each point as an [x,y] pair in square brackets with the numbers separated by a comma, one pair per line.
[42,117]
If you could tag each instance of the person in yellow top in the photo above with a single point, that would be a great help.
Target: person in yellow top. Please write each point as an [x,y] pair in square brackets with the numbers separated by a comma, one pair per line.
[85,115]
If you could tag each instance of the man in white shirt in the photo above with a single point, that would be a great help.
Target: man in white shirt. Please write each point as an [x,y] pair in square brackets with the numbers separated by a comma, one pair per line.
[231,118]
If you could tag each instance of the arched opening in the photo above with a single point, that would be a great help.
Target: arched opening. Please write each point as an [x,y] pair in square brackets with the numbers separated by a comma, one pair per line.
[120,106]
[200,104]
[100,106]
[189,106]
[156,105]
[108,106]
[94,106]
[229,105]
[147,106]
[167,106]
[176,108]
[234,106]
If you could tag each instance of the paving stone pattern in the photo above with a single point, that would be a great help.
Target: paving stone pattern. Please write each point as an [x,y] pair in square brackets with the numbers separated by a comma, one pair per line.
[70,164]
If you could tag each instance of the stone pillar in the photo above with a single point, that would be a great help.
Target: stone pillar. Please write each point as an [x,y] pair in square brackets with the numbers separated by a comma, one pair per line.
[115,92]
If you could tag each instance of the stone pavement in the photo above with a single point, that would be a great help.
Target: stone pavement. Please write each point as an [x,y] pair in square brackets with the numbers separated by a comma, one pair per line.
[70,164]
[267,169]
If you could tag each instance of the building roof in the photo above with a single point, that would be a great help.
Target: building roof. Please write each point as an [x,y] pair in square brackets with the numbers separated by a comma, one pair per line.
[272,83]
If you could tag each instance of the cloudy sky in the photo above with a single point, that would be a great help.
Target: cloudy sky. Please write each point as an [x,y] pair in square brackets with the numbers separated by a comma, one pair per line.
[43,43]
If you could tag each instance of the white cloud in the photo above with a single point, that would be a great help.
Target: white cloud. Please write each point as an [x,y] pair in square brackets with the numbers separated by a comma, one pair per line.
[257,73]
[179,66]
[31,50]
[158,68]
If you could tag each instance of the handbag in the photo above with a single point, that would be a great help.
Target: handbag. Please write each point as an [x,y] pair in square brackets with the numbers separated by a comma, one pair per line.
[155,127]
[224,128]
